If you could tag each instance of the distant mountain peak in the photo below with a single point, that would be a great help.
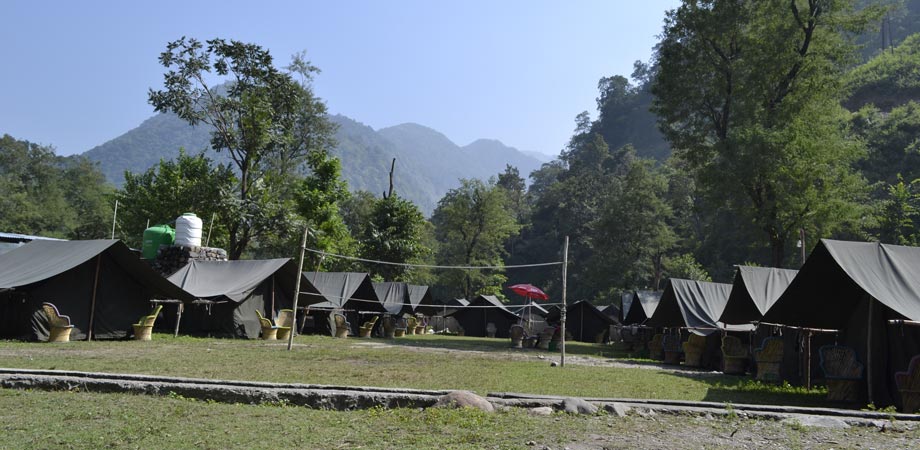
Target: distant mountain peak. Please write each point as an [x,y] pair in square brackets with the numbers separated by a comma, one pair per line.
[428,162]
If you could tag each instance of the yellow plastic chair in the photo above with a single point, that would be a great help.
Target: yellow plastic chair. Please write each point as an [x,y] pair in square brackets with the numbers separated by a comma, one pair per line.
[60,324]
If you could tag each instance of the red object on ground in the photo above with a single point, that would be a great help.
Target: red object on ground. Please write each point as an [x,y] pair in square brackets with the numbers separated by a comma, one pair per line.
[529,291]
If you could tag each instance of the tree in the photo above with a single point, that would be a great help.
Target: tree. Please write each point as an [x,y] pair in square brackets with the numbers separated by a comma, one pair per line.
[48,195]
[317,201]
[749,94]
[472,224]
[171,188]
[266,121]
[631,234]
[394,233]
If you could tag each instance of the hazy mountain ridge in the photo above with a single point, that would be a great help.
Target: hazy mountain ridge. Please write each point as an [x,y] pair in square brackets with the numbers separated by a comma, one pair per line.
[428,164]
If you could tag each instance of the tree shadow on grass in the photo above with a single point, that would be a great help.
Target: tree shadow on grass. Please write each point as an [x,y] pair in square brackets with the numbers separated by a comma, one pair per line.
[745,389]
[503,345]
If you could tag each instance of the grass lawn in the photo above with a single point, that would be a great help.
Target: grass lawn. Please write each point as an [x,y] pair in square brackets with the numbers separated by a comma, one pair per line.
[430,362]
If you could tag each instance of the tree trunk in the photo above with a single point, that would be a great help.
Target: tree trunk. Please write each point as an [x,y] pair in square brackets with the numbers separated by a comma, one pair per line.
[778,249]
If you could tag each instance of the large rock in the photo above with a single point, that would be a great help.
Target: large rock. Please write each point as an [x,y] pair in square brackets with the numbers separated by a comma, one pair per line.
[578,406]
[816,421]
[617,409]
[464,399]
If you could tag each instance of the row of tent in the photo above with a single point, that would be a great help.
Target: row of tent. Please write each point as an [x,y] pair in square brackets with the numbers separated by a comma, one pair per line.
[857,294]
[104,287]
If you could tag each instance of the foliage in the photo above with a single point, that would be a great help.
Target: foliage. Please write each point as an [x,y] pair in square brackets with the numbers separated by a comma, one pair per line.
[47,195]
[632,234]
[163,193]
[266,121]
[685,267]
[889,79]
[472,224]
[317,200]
[394,233]
[899,214]
[749,96]
[624,113]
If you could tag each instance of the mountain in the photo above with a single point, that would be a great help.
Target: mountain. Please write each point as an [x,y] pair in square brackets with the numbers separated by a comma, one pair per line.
[428,164]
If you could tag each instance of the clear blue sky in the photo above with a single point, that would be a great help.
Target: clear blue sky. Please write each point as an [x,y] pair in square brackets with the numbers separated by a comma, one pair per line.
[76,73]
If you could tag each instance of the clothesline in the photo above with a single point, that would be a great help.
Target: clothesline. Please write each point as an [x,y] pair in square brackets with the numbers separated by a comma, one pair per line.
[432,266]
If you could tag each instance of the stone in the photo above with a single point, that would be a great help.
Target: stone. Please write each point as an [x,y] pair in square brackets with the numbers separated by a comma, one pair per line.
[816,421]
[573,405]
[553,364]
[617,409]
[541,411]
[464,399]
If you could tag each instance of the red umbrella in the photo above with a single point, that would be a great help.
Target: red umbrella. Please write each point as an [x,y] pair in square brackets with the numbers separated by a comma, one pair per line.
[529,291]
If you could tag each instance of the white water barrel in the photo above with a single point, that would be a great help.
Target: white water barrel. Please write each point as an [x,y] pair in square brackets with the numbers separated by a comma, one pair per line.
[188,230]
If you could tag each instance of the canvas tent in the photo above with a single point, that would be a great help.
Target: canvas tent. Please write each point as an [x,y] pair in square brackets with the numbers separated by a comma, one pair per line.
[611,311]
[394,297]
[348,293]
[101,284]
[637,312]
[753,292]
[585,322]
[485,309]
[352,291]
[420,300]
[233,291]
[857,287]
[696,305]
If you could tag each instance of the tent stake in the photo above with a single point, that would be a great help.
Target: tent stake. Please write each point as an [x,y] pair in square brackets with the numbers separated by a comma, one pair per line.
[303,248]
[565,263]
[92,306]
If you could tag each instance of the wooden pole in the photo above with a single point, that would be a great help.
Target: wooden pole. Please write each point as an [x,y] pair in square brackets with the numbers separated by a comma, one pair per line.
[565,264]
[178,318]
[114,217]
[92,306]
[869,350]
[808,360]
[303,248]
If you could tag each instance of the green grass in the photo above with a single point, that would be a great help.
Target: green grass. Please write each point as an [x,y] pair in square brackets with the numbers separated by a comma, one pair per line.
[425,362]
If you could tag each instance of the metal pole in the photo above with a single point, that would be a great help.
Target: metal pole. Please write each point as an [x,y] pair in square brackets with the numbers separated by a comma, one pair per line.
[565,263]
[210,227]
[114,216]
[303,248]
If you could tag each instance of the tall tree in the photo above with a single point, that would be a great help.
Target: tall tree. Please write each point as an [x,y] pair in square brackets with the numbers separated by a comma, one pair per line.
[265,119]
[472,224]
[749,94]
[394,233]
[165,191]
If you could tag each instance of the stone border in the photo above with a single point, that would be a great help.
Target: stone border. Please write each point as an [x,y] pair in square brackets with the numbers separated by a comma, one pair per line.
[346,398]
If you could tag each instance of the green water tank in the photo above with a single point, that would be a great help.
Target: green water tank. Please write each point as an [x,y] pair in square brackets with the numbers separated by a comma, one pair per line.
[154,237]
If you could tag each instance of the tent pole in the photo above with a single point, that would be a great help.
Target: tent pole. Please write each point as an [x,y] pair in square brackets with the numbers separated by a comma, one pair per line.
[565,263]
[178,318]
[92,306]
[869,351]
[808,360]
[273,299]
[303,248]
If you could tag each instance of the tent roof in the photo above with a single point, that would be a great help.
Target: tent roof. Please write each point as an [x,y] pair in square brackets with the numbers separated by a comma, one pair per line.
[489,301]
[838,274]
[394,296]
[535,309]
[693,304]
[234,280]
[420,299]
[639,311]
[40,260]
[581,304]
[338,288]
[458,302]
[754,291]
